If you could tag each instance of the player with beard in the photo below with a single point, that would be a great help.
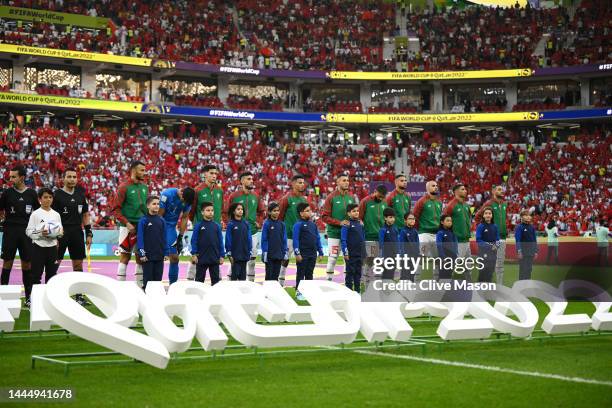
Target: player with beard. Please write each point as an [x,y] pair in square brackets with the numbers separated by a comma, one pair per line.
[499,207]
[334,215]
[459,211]
[399,200]
[371,213]
[289,215]
[427,211]
[16,205]
[129,206]
[71,204]
[253,214]
[207,192]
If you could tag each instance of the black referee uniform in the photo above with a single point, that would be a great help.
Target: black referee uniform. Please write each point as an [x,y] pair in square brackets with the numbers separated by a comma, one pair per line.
[71,208]
[17,206]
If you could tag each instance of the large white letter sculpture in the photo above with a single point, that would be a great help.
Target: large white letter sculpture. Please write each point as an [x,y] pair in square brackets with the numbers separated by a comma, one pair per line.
[335,315]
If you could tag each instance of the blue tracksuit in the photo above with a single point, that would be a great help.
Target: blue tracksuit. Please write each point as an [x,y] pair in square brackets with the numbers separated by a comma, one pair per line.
[173,208]
[352,242]
[207,245]
[527,246]
[410,246]
[238,245]
[273,247]
[388,242]
[152,243]
[446,242]
[487,236]
[307,243]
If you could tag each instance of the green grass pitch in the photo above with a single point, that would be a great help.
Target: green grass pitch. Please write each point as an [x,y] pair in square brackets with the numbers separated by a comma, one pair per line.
[498,375]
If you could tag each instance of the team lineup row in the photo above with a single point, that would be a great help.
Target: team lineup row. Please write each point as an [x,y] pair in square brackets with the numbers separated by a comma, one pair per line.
[177,205]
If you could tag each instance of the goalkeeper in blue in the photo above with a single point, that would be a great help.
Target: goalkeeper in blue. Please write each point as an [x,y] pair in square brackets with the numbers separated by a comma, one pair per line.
[174,207]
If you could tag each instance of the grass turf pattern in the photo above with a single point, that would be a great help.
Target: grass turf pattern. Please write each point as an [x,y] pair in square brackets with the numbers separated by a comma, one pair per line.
[388,377]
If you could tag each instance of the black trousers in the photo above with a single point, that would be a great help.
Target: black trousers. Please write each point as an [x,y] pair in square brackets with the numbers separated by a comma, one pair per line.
[213,270]
[152,271]
[273,267]
[553,251]
[238,270]
[603,255]
[352,278]
[525,267]
[43,260]
[486,273]
[305,270]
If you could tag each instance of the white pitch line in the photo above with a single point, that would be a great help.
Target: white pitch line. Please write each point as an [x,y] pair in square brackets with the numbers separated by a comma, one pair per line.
[486,368]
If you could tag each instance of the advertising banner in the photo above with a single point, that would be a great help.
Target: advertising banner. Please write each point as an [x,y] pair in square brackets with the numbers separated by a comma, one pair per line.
[576,114]
[79,20]
[421,76]
[573,70]
[280,73]
[234,114]
[64,102]
[431,118]
[79,55]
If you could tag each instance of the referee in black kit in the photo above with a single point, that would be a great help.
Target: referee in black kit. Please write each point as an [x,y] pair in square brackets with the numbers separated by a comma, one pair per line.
[71,204]
[17,203]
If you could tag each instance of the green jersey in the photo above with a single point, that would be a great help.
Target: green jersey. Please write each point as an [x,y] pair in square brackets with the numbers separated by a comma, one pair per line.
[427,212]
[130,204]
[334,212]
[288,211]
[401,203]
[462,219]
[253,208]
[371,213]
[499,216]
[203,194]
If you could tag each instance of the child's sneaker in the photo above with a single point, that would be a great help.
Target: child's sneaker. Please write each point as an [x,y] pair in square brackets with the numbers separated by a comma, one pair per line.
[299,296]
[26,304]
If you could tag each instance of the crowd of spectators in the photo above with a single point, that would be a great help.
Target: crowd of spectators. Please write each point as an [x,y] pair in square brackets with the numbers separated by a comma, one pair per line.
[198,100]
[585,39]
[177,156]
[199,30]
[332,104]
[391,107]
[478,37]
[264,103]
[538,106]
[324,35]
[112,94]
[292,34]
[569,180]
[328,34]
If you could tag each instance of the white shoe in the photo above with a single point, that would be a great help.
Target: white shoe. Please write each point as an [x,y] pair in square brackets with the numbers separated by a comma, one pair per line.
[299,296]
